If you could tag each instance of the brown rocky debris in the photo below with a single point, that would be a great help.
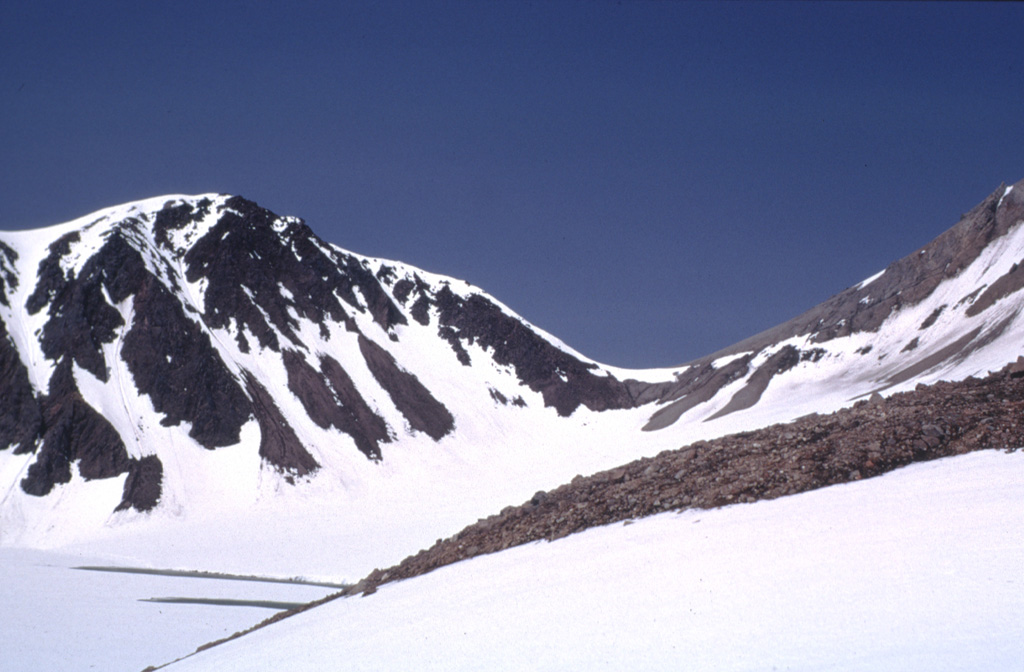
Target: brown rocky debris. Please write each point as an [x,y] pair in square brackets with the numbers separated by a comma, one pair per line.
[874,436]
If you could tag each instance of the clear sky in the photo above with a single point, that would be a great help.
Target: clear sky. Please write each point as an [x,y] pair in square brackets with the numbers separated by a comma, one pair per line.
[649,181]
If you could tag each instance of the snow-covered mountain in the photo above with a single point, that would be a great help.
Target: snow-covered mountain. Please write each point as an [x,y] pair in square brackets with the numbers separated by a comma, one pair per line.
[198,366]
[221,320]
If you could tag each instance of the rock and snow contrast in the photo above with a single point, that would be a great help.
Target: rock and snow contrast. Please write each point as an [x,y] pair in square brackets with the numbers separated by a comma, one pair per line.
[914,570]
[193,382]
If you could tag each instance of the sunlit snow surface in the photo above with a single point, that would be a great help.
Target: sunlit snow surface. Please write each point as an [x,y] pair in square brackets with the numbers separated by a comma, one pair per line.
[54,617]
[919,569]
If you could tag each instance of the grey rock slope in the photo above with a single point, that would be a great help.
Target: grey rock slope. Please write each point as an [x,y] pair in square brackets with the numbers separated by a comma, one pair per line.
[920,281]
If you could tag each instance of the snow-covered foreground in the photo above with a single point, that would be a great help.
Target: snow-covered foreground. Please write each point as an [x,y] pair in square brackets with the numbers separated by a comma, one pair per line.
[919,569]
[55,617]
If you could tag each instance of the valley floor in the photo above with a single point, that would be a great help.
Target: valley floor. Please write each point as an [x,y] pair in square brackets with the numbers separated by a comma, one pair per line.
[918,569]
[56,617]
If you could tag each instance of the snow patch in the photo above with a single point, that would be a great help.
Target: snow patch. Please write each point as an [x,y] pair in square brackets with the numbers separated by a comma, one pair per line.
[868,281]
[1005,194]
[728,359]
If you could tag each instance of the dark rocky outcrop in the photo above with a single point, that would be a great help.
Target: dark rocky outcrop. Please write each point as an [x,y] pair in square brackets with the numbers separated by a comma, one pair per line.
[80,318]
[72,431]
[954,349]
[1009,283]
[782,361]
[144,484]
[50,276]
[172,360]
[933,317]
[565,382]
[261,274]
[250,255]
[911,345]
[331,400]
[279,446]
[690,389]
[60,426]
[20,418]
[362,421]
[8,278]
[905,282]
[176,216]
[865,307]
[420,309]
[424,413]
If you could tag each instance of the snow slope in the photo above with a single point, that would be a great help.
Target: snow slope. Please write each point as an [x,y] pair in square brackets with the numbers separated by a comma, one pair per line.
[918,569]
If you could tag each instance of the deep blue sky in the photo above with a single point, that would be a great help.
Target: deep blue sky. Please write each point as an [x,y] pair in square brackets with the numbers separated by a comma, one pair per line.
[648,181]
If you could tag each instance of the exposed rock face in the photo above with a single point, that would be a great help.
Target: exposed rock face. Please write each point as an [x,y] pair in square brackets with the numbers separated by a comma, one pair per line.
[81,320]
[72,431]
[185,377]
[424,413]
[782,361]
[67,428]
[250,254]
[142,488]
[906,281]
[20,419]
[278,443]
[564,381]
[331,400]
[7,275]
[1004,286]
[697,386]
[167,354]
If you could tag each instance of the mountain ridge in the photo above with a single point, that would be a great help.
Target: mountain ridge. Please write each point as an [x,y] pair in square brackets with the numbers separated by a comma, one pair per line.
[241,297]
[201,356]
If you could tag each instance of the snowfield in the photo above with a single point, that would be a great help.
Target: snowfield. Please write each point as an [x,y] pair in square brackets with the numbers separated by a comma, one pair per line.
[915,570]
[55,617]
